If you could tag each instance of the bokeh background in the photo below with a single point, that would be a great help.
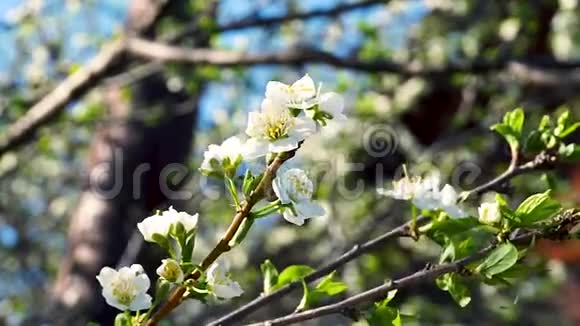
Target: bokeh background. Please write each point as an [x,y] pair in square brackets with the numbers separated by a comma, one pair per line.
[422,79]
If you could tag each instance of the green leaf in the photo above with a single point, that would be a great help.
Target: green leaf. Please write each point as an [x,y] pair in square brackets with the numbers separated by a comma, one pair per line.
[570,152]
[515,120]
[304,302]
[293,273]
[510,136]
[501,259]
[270,275]
[533,142]
[536,208]
[545,123]
[511,127]
[382,314]
[567,131]
[329,286]
[455,226]
[459,292]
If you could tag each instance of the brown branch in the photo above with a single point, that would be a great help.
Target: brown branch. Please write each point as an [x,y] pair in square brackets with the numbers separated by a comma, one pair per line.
[264,22]
[540,161]
[78,83]
[565,224]
[203,56]
[53,103]
[224,244]
[355,252]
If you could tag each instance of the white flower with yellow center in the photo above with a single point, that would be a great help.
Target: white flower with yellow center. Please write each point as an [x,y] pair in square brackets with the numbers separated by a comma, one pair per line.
[294,188]
[220,283]
[489,213]
[299,95]
[276,130]
[170,270]
[125,289]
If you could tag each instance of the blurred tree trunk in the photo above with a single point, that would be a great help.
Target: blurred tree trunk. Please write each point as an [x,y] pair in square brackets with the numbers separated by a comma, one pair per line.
[150,129]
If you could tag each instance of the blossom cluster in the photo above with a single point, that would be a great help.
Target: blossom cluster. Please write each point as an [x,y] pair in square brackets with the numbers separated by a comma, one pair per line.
[426,194]
[287,116]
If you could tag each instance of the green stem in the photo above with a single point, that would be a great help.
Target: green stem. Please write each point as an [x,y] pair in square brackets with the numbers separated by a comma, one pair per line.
[414,233]
[267,210]
[233,192]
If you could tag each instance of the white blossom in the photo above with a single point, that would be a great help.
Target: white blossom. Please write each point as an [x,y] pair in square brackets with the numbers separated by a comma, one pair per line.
[188,221]
[276,130]
[424,193]
[220,283]
[155,224]
[227,155]
[448,198]
[489,213]
[299,95]
[125,289]
[292,186]
[170,270]
[161,223]
[333,104]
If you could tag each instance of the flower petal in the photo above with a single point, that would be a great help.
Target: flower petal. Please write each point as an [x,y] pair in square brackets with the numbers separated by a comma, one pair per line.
[303,88]
[290,217]
[309,209]
[141,302]
[283,145]
[280,190]
[332,103]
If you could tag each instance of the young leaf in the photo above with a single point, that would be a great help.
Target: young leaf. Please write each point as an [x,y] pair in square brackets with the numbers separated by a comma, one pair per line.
[293,273]
[459,292]
[328,287]
[511,127]
[515,120]
[382,314]
[570,152]
[536,208]
[270,275]
[501,259]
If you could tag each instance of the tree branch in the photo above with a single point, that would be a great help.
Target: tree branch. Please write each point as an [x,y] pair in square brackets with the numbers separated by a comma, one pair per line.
[567,222]
[542,160]
[54,102]
[201,56]
[355,252]
[78,83]
[262,22]
[224,244]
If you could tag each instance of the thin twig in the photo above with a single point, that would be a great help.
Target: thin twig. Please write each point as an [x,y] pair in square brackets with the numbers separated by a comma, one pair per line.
[419,276]
[540,161]
[355,252]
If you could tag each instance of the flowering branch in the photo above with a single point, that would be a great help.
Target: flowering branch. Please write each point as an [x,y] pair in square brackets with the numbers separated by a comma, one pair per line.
[224,244]
[542,160]
[567,221]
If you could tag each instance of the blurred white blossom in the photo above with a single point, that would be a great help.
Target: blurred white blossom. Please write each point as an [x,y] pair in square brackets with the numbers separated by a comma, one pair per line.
[221,285]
